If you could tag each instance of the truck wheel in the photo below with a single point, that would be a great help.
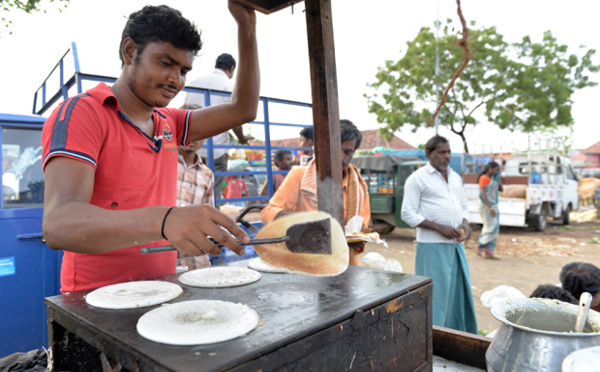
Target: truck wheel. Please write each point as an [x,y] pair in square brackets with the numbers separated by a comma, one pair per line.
[565,215]
[382,227]
[539,221]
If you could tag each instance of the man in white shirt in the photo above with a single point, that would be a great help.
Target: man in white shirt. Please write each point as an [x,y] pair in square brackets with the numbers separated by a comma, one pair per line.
[435,203]
[219,79]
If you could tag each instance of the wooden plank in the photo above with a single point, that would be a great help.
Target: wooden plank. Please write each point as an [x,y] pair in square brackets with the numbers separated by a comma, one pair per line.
[326,116]
[460,347]
[268,6]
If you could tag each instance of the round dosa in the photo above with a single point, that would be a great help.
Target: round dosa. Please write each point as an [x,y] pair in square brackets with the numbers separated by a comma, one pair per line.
[219,276]
[132,295]
[260,265]
[279,255]
[197,322]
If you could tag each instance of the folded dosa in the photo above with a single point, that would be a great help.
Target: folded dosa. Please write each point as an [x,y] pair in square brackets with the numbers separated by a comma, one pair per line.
[280,256]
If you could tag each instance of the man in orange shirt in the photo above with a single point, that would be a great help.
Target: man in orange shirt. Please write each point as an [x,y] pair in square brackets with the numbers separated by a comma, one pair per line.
[299,190]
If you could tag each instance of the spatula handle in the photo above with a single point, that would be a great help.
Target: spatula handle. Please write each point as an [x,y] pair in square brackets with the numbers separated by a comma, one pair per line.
[167,248]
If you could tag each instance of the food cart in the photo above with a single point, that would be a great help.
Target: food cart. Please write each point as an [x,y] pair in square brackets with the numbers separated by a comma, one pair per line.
[363,319]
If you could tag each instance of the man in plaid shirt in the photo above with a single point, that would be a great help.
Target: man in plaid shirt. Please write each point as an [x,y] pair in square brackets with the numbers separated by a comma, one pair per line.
[195,185]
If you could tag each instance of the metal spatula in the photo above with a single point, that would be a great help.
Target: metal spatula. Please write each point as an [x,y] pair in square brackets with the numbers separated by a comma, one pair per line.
[309,237]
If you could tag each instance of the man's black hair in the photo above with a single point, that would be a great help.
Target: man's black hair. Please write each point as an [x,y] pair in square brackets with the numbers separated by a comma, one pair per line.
[225,62]
[349,131]
[553,292]
[308,133]
[433,142]
[160,24]
[579,277]
[280,154]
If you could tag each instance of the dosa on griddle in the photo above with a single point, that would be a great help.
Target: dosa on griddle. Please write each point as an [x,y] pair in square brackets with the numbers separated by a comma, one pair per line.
[278,255]
[131,295]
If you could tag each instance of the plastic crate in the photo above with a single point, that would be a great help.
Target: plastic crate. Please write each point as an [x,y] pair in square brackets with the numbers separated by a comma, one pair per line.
[382,203]
[228,256]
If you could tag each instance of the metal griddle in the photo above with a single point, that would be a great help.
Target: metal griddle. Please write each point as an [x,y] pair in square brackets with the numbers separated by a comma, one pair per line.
[294,308]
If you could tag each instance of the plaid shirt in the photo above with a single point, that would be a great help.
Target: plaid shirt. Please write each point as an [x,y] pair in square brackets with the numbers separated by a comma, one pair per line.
[195,185]
[427,196]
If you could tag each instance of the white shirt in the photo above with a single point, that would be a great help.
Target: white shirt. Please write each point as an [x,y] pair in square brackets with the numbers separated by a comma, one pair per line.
[218,80]
[427,196]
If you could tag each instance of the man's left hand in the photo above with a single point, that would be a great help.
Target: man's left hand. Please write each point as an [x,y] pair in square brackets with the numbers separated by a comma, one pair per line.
[465,230]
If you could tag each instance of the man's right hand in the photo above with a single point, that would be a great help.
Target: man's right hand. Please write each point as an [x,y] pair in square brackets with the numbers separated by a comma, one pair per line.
[449,232]
[188,228]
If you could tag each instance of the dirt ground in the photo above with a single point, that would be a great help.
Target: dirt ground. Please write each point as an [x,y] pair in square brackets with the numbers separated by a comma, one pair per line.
[528,258]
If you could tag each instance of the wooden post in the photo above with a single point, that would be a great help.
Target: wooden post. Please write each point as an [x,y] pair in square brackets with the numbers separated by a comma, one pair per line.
[326,116]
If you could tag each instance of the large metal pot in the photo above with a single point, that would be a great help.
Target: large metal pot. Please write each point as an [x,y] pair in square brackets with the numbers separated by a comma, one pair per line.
[537,334]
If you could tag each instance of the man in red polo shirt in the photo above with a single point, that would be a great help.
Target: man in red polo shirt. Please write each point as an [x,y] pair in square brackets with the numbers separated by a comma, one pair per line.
[110,156]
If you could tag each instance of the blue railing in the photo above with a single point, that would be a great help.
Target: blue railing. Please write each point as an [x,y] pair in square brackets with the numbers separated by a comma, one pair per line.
[43,103]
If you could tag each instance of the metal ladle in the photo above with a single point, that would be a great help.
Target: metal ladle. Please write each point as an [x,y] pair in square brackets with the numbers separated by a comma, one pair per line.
[585,301]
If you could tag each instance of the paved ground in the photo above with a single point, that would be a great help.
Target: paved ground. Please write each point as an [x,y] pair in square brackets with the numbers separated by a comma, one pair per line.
[528,258]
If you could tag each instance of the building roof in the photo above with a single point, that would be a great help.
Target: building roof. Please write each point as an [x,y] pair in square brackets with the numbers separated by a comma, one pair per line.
[370,140]
[593,148]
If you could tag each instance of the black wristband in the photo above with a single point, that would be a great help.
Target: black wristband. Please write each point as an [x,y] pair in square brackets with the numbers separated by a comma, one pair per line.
[162,229]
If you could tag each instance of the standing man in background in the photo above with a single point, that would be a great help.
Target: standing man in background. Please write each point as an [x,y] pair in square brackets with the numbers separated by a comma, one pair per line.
[219,79]
[436,204]
[283,161]
[307,139]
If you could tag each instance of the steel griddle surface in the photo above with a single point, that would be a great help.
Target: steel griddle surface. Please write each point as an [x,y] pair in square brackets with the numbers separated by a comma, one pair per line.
[292,306]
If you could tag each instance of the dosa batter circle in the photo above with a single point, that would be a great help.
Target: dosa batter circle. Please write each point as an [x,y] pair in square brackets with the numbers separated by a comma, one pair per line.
[260,265]
[197,322]
[219,277]
[132,295]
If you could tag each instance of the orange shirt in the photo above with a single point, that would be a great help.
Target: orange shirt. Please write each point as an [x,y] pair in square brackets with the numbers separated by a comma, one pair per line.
[484,181]
[289,197]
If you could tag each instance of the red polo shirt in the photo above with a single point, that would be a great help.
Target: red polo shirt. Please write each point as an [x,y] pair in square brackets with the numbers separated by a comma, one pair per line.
[132,171]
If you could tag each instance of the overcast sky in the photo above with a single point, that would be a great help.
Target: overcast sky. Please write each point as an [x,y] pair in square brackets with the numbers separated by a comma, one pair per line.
[365,37]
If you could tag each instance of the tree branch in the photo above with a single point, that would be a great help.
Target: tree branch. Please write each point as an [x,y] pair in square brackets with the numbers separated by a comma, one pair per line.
[463,43]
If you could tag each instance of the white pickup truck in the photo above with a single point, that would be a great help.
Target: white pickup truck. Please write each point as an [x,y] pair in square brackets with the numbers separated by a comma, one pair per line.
[548,188]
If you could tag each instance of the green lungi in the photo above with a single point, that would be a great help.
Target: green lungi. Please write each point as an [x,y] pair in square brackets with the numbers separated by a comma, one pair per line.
[446,264]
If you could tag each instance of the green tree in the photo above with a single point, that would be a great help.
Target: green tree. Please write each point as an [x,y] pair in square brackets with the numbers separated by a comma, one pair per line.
[28,6]
[520,86]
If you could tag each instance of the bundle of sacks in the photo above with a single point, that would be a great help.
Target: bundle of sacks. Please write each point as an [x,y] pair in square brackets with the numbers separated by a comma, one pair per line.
[514,191]
[587,190]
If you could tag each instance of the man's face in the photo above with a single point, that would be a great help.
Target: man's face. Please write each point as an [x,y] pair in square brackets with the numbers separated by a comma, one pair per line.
[348,148]
[440,157]
[159,73]
[193,147]
[286,162]
[306,142]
